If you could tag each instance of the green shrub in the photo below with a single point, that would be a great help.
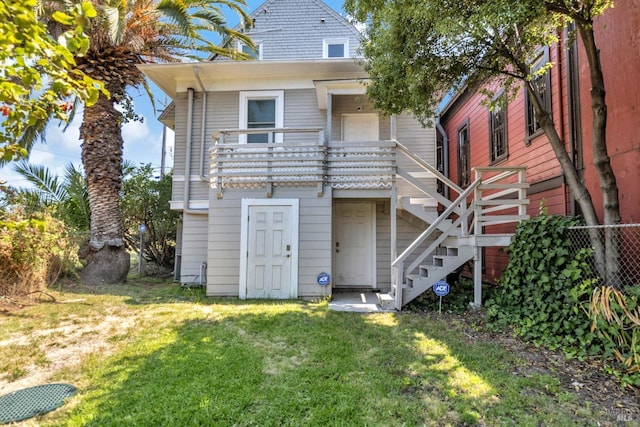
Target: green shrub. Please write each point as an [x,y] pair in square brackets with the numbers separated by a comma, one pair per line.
[34,251]
[544,296]
[542,292]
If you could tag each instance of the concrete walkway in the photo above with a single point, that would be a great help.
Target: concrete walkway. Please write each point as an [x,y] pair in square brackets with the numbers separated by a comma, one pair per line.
[357,302]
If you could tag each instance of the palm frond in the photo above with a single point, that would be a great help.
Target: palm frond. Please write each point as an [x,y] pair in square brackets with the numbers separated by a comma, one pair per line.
[45,182]
[128,167]
[115,21]
[177,13]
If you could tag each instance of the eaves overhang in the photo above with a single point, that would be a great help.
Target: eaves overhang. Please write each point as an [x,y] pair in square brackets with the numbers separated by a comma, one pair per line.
[325,88]
[243,75]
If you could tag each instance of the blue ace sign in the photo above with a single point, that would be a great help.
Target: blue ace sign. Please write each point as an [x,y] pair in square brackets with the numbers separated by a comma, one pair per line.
[323,279]
[441,288]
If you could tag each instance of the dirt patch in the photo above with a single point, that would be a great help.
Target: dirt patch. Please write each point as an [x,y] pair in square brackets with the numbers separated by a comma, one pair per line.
[65,346]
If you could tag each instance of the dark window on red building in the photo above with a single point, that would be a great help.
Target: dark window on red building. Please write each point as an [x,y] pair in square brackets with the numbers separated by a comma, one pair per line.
[498,146]
[542,87]
[464,154]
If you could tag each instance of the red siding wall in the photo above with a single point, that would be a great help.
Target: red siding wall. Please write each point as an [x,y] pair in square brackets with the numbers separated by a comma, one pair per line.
[618,36]
[619,39]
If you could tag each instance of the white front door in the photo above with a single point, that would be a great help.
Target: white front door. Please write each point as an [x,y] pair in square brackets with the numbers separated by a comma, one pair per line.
[354,245]
[270,254]
[360,127]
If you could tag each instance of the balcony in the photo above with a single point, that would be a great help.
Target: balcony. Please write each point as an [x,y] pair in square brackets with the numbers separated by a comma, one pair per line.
[304,158]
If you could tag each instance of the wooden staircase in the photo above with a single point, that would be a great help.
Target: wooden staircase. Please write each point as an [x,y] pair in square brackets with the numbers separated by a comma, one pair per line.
[456,236]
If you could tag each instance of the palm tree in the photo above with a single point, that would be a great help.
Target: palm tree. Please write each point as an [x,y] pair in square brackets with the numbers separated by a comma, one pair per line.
[126,33]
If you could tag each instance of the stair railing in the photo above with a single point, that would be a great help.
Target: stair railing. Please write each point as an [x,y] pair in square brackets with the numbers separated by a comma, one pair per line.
[397,266]
[431,192]
[490,194]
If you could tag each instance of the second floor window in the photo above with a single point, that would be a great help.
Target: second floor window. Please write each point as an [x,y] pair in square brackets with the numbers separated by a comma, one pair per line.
[261,113]
[542,87]
[261,110]
[498,134]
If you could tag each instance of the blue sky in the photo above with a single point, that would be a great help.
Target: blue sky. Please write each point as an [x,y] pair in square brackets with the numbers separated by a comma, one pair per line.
[142,141]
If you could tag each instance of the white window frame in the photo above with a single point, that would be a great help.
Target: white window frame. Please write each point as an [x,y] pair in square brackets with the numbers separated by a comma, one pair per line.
[245,96]
[258,46]
[326,42]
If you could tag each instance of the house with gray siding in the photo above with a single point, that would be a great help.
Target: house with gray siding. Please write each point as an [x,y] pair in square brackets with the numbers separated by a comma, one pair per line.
[291,185]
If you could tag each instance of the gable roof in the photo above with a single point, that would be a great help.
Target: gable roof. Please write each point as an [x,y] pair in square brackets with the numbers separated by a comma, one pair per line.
[297,5]
[295,29]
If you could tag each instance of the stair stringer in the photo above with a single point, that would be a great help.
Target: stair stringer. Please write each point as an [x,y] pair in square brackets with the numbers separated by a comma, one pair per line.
[429,274]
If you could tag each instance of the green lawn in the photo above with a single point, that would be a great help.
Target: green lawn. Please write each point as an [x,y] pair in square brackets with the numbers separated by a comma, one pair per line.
[173,357]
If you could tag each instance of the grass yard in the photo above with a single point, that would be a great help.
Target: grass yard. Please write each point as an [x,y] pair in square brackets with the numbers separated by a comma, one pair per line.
[152,354]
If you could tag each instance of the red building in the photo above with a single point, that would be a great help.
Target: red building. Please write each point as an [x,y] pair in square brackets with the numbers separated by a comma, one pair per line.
[475,136]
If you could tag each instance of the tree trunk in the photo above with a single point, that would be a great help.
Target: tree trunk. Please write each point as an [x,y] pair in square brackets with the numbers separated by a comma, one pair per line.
[577,188]
[107,260]
[601,160]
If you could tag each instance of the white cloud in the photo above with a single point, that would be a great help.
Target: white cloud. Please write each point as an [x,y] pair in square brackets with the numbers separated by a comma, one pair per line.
[142,144]
[133,132]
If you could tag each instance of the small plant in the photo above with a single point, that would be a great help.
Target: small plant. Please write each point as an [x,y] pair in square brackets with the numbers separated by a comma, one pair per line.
[615,319]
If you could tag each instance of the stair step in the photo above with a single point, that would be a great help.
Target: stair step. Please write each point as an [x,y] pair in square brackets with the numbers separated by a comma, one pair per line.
[386,301]
[393,288]
[413,279]
[429,270]
[451,250]
[486,240]
[424,201]
[441,260]
[422,174]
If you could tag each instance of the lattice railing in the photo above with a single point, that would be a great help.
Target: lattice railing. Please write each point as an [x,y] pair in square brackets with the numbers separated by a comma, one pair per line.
[293,162]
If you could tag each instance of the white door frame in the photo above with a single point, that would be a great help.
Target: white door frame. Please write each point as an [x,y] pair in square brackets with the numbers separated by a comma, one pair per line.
[244,240]
[374,241]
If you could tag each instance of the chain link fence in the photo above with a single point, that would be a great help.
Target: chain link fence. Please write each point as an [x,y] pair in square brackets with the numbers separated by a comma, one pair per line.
[626,242]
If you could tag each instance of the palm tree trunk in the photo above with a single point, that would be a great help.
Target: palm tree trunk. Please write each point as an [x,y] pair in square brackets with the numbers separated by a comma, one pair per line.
[107,260]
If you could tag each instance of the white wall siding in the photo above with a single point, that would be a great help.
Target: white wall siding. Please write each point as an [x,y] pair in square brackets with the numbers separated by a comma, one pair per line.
[314,249]
[194,247]
[407,231]
[315,241]
[383,246]
[354,104]
[301,111]
[422,142]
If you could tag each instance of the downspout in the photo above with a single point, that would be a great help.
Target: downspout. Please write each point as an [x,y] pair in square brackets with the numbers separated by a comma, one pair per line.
[445,154]
[187,165]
